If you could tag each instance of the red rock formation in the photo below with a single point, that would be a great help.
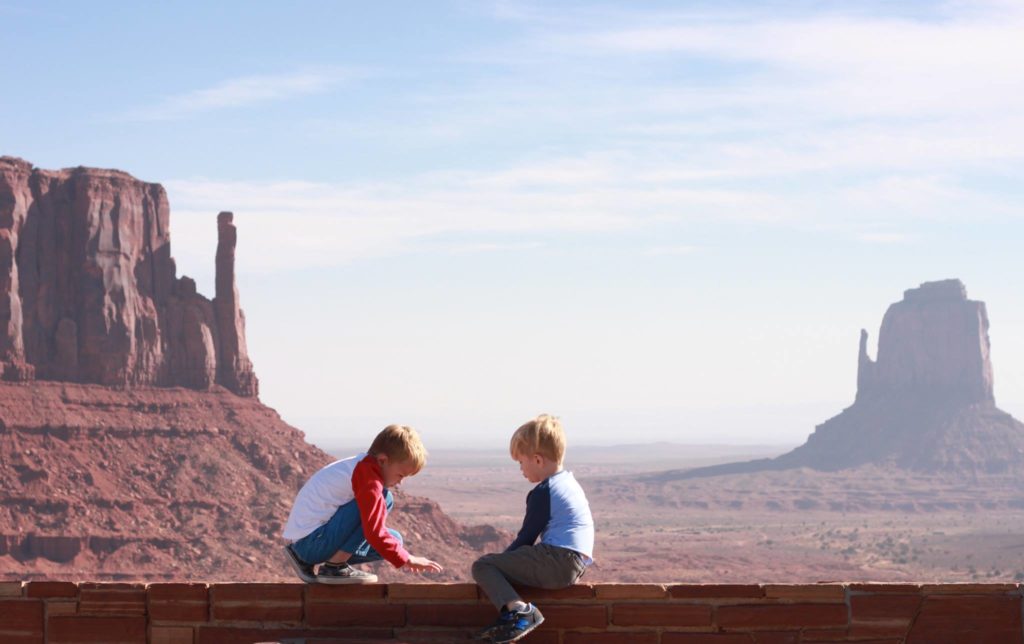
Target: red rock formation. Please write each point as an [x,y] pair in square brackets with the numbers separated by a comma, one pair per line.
[925,405]
[167,483]
[933,343]
[89,292]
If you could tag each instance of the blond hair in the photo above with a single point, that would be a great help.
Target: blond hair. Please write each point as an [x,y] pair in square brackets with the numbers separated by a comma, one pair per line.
[400,443]
[543,435]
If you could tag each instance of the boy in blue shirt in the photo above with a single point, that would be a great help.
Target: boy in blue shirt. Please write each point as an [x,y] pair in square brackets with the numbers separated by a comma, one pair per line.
[557,511]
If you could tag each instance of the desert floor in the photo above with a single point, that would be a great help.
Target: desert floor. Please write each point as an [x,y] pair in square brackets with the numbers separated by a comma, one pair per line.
[870,524]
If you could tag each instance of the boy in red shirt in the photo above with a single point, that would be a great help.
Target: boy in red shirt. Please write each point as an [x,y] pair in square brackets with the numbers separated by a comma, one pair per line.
[338,516]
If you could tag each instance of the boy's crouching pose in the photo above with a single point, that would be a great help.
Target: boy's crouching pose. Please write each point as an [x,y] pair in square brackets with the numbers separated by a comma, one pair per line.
[338,516]
[557,511]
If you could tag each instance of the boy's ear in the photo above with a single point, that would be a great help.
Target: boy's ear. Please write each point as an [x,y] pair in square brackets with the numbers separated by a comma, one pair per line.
[382,459]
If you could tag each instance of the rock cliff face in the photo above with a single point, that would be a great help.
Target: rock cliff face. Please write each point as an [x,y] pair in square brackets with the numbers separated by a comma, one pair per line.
[89,291]
[926,404]
[106,470]
[149,483]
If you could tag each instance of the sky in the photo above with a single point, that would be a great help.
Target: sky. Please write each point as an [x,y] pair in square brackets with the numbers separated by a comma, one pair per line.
[662,221]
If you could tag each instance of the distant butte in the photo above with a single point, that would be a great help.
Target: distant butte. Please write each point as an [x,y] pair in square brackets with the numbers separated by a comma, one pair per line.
[925,405]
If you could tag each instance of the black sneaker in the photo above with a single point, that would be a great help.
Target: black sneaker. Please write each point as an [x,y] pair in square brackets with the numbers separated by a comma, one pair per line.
[301,568]
[343,574]
[504,619]
[517,628]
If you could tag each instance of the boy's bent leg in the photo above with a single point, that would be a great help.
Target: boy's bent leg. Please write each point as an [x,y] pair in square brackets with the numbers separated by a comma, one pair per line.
[356,543]
[321,544]
[540,566]
[363,552]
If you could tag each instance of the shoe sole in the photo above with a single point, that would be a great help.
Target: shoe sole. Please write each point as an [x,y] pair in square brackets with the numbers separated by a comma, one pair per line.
[523,634]
[297,567]
[337,581]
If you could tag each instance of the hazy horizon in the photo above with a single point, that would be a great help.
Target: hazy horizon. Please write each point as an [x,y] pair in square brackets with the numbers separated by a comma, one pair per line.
[662,222]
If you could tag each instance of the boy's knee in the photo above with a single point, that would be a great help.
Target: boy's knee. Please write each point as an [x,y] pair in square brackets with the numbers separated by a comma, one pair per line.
[479,565]
[397,535]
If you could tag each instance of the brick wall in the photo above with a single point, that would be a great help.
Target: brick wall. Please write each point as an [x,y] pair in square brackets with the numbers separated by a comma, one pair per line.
[63,612]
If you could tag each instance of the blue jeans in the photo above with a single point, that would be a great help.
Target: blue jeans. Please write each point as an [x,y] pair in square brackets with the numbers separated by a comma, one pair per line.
[343,531]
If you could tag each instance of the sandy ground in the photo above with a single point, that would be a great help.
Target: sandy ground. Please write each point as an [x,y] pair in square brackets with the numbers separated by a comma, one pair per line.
[871,524]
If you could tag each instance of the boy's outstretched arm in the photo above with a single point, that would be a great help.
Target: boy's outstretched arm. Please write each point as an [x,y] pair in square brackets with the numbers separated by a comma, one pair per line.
[369,493]
[422,564]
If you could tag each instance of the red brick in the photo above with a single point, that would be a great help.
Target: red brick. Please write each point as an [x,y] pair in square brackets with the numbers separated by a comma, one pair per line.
[432,591]
[715,591]
[876,588]
[630,591]
[843,635]
[877,630]
[110,585]
[180,611]
[830,635]
[256,592]
[767,617]
[243,635]
[61,607]
[706,638]
[806,592]
[171,635]
[968,618]
[114,601]
[11,588]
[178,592]
[65,629]
[476,615]
[355,614]
[574,616]
[51,589]
[21,615]
[661,615]
[327,593]
[619,637]
[256,602]
[969,589]
[178,603]
[257,612]
[884,607]
[30,638]
[579,591]
[776,638]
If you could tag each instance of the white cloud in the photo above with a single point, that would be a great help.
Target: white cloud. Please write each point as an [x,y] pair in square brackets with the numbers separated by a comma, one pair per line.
[671,250]
[243,91]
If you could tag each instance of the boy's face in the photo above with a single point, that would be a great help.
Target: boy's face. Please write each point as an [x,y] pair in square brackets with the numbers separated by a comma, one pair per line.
[394,472]
[533,467]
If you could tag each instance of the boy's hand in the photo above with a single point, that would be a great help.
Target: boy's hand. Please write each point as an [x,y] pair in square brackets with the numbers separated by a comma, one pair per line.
[422,564]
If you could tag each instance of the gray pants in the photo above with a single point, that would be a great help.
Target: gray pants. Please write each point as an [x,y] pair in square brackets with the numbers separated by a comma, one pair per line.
[541,566]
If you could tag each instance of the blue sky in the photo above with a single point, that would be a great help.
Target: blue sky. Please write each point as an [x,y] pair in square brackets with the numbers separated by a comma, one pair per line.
[663,221]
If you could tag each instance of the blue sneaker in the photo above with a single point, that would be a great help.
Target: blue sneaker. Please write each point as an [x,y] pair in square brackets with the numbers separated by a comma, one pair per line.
[504,619]
[517,628]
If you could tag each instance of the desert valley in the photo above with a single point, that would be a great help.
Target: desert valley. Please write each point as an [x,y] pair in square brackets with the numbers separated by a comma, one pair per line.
[134,445]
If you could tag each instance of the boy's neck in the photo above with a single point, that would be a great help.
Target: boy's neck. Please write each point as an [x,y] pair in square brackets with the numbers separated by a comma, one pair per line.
[550,470]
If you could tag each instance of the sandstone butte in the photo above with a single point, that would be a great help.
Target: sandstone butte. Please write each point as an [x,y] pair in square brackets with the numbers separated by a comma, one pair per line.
[925,405]
[133,445]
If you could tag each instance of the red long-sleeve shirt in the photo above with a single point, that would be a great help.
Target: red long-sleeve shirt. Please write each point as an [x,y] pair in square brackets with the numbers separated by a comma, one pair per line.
[368,487]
